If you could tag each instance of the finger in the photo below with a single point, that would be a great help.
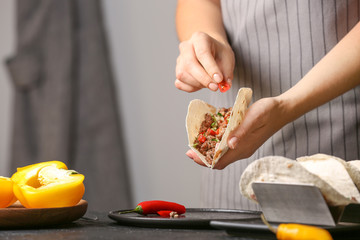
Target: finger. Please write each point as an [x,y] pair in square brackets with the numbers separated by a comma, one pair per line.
[190,64]
[186,78]
[205,53]
[199,73]
[191,154]
[225,160]
[185,87]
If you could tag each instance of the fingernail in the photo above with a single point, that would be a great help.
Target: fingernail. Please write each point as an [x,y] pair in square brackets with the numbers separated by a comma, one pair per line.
[233,142]
[229,81]
[213,86]
[217,78]
[189,155]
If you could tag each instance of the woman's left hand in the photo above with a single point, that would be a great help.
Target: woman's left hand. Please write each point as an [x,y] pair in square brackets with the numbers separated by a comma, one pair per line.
[262,120]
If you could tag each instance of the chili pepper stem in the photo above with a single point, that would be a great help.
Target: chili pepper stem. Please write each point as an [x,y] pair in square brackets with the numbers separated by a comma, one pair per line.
[138,209]
[271,228]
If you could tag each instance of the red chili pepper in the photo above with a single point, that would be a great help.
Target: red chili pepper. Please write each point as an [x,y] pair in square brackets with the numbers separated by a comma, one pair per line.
[224,86]
[148,207]
[201,138]
[211,132]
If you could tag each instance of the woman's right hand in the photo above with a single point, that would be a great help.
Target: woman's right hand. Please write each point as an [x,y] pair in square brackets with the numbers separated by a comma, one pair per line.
[203,62]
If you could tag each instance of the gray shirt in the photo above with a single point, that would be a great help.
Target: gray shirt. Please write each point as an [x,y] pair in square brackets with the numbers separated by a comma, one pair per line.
[276,43]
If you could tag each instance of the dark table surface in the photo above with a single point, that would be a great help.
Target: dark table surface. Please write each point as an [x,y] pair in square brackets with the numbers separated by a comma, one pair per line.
[106,228]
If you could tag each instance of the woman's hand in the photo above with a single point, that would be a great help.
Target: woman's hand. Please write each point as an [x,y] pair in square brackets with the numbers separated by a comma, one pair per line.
[203,62]
[262,120]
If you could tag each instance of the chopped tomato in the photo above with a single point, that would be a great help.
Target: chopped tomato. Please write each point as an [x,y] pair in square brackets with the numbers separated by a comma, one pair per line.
[217,131]
[211,132]
[224,86]
[201,138]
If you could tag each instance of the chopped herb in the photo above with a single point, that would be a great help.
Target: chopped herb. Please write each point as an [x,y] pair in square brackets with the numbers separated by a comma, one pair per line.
[219,114]
[215,140]
[214,118]
[195,144]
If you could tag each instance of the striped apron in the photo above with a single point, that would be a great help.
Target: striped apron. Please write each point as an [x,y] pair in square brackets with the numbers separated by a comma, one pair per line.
[276,43]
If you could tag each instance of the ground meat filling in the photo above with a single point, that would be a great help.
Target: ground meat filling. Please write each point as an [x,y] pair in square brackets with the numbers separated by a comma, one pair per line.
[211,131]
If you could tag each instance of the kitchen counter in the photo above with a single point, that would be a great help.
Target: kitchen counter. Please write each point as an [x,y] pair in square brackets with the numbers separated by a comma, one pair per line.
[105,228]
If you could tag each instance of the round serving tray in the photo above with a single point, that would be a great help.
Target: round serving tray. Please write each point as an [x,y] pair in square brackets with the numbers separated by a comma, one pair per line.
[16,216]
[193,218]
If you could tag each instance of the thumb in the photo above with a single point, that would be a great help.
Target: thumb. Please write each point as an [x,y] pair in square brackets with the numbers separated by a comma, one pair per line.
[241,132]
[235,137]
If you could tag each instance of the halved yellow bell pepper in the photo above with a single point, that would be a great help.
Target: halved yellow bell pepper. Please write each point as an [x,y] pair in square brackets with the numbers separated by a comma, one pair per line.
[48,185]
[7,196]
[30,172]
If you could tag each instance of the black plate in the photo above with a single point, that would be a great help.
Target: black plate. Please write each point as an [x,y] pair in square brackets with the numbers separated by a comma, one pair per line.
[192,219]
[256,227]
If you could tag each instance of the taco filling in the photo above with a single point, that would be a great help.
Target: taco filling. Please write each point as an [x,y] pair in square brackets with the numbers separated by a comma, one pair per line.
[208,128]
[211,132]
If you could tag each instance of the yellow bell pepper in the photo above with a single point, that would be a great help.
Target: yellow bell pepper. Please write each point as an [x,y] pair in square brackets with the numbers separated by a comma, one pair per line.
[48,185]
[7,196]
[28,174]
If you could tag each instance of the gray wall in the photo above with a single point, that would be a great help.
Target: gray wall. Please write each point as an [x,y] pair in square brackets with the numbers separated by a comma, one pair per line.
[7,45]
[144,48]
[144,44]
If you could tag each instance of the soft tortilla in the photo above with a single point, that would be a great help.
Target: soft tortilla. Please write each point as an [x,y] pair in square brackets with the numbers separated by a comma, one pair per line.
[283,170]
[196,115]
[353,168]
[332,170]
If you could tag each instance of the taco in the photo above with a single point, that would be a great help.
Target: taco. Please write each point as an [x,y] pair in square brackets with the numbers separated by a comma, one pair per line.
[208,128]
[278,169]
